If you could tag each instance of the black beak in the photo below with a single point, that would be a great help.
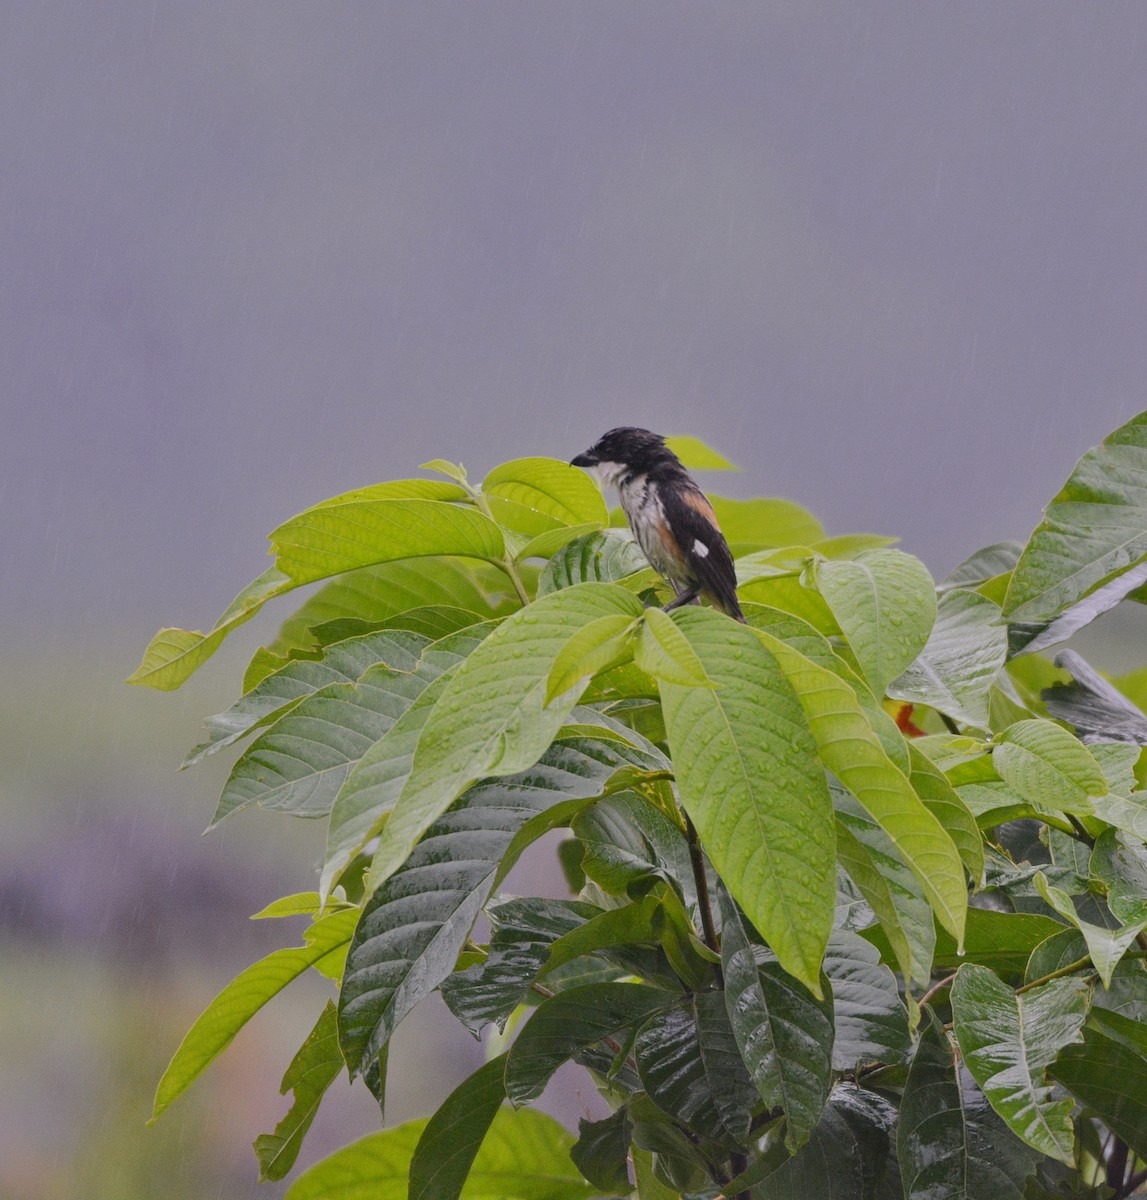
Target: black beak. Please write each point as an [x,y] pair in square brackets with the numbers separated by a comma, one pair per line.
[583,460]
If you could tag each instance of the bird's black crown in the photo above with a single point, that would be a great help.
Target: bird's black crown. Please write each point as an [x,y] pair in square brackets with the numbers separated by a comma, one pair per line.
[637,451]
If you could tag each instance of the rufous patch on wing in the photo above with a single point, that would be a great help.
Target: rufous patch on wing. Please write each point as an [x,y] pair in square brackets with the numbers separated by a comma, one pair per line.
[698,502]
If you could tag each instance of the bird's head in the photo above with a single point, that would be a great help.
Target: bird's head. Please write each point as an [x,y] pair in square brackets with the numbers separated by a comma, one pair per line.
[624,453]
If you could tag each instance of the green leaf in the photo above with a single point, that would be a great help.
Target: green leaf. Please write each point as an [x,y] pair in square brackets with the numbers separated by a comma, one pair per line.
[335,537]
[848,1156]
[1048,767]
[1008,1041]
[1094,528]
[450,1142]
[378,594]
[435,621]
[944,803]
[1108,1074]
[313,1069]
[955,671]
[1106,946]
[758,524]
[747,772]
[544,545]
[238,1002]
[549,486]
[870,1019]
[594,647]
[374,783]
[664,652]
[491,718]
[982,565]
[525,1156]
[697,456]
[1092,705]
[570,1022]
[1000,940]
[602,1150]
[848,545]
[784,1033]
[415,923]
[851,750]
[888,884]
[174,655]
[690,1067]
[885,604]
[603,557]
[298,765]
[951,1145]
[791,594]
[343,662]
[455,471]
[1119,862]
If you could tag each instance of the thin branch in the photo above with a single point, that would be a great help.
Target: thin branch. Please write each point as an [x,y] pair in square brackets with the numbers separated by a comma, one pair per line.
[936,988]
[697,861]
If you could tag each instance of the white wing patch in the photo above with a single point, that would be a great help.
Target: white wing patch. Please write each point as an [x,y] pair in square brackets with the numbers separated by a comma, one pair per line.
[700,549]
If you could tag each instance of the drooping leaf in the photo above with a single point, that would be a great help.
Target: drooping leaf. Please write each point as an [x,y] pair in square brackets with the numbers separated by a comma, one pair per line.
[885,604]
[1008,1040]
[1093,529]
[1048,767]
[852,751]
[1096,708]
[602,1150]
[1119,862]
[450,1142]
[746,769]
[955,671]
[174,655]
[572,1021]
[313,1069]
[1108,1073]
[415,924]
[215,1028]
[343,536]
[1000,940]
[490,718]
[951,1145]
[689,1065]
[944,803]
[870,1019]
[791,594]
[849,1155]
[784,1033]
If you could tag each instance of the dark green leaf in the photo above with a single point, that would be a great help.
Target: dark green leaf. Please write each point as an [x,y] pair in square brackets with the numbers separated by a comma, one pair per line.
[1119,862]
[313,1069]
[570,1022]
[416,922]
[1009,1039]
[870,1018]
[450,1142]
[603,557]
[951,1145]
[1094,707]
[602,1150]
[784,1033]
[982,565]
[689,1065]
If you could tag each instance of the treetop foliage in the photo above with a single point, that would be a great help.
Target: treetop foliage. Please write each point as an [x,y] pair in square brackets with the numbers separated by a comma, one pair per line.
[858,890]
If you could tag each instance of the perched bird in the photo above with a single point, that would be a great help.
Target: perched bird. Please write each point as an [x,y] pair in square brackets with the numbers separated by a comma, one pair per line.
[674,524]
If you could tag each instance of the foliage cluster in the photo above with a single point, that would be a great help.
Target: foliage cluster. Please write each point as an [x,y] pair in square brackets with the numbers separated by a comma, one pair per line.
[861,887]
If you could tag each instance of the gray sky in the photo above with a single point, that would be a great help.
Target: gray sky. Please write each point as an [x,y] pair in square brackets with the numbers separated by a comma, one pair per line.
[892,257]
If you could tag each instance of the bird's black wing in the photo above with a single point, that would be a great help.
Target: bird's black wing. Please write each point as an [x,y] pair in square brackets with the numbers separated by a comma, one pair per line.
[694,527]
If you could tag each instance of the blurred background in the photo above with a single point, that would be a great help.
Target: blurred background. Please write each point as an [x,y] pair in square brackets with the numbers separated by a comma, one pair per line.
[890,257]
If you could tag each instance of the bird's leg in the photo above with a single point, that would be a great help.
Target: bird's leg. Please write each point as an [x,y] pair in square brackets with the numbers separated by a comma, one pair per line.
[688,596]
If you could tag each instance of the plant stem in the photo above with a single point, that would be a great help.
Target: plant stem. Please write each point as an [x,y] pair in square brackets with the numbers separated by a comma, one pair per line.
[951,725]
[506,563]
[701,880]
[937,987]
[1070,969]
